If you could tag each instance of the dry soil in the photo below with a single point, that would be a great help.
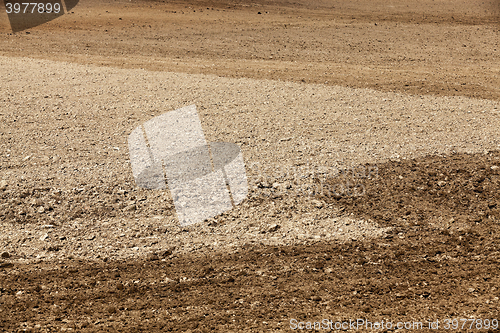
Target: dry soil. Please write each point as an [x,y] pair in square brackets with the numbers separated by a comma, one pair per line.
[370,134]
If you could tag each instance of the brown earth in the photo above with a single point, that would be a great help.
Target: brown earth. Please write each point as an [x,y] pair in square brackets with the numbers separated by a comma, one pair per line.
[419,47]
[438,259]
[418,272]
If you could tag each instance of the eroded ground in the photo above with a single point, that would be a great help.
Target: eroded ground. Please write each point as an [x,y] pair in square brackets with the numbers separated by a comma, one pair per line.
[88,251]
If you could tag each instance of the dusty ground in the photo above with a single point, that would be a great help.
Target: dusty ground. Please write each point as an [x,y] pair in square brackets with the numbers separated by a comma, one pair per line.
[399,101]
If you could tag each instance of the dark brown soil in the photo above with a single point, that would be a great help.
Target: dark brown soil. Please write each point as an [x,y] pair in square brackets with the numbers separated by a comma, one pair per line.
[443,190]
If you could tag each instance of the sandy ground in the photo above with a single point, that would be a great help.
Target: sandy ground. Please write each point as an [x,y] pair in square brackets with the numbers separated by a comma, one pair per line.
[398,100]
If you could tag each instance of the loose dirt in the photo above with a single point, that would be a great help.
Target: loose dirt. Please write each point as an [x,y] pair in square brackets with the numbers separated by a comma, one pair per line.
[369,132]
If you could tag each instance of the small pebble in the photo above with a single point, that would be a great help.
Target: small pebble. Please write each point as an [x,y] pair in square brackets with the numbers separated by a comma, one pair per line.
[153,257]
[130,208]
[167,280]
[273,228]
[317,203]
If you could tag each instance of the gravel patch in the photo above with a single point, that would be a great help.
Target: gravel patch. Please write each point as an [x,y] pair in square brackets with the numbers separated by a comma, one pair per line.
[63,152]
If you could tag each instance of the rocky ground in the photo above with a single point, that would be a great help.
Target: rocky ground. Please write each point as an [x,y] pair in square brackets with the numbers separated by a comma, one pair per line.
[369,132]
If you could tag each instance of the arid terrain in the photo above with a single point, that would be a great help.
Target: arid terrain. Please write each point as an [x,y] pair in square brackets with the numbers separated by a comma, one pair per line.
[370,132]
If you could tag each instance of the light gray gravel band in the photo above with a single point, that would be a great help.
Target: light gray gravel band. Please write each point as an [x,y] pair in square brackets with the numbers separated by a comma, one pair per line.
[81,116]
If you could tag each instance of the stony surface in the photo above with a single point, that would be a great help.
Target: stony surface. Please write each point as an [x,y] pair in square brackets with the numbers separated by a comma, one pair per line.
[77,181]
[370,137]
